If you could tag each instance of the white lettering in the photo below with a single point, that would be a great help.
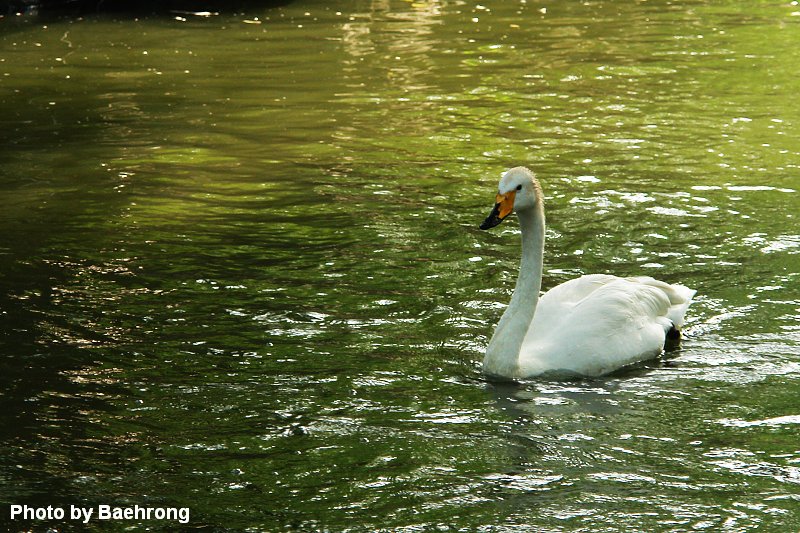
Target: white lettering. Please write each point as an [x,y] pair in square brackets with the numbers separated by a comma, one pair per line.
[103,512]
[84,514]
[36,513]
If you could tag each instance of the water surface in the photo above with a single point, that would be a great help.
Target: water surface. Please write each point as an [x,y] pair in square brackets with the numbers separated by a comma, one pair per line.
[240,269]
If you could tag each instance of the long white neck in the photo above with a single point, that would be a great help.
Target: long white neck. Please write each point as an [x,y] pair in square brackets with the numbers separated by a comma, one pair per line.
[502,354]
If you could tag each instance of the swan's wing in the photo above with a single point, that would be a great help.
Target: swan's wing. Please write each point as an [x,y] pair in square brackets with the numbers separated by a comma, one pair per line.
[680,297]
[595,324]
[561,299]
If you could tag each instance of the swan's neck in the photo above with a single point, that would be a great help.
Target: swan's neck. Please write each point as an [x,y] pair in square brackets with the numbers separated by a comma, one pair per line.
[502,354]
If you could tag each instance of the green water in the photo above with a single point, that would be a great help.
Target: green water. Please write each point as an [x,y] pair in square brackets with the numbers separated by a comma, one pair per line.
[240,268]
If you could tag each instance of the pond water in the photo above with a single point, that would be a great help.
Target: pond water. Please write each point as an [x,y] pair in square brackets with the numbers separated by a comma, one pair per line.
[240,267]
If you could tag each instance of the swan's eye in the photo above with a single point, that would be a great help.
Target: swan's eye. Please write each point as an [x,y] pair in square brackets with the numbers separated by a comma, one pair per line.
[519,187]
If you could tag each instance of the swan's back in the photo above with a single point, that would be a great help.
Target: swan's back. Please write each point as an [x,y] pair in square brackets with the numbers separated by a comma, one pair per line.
[595,324]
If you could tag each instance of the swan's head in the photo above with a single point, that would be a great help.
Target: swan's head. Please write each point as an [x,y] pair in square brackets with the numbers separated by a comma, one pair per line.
[518,190]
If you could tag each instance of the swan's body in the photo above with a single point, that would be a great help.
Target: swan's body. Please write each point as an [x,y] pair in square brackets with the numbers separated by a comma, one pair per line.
[587,326]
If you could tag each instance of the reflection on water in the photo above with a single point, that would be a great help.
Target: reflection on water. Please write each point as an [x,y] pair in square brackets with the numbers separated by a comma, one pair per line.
[241,269]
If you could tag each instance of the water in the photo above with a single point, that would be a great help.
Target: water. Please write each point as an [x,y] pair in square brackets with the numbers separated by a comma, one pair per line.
[240,269]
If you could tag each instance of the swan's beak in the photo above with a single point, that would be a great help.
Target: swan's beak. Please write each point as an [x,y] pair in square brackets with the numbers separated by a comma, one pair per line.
[504,204]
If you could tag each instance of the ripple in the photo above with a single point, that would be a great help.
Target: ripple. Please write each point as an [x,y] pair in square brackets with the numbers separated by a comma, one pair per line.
[773,422]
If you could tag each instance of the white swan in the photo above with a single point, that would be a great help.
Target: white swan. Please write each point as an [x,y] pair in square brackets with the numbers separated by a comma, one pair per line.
[587,326]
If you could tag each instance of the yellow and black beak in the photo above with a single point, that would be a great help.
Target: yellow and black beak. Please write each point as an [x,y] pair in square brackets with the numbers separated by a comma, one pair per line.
[504,204]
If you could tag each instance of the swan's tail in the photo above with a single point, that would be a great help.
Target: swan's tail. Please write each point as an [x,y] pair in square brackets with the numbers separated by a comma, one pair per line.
[680,298]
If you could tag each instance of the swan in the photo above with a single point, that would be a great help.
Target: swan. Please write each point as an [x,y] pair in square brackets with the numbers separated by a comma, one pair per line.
[588,326]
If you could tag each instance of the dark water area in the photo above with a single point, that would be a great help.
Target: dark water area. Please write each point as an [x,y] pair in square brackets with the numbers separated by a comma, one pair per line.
[240,267]
[47,10]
